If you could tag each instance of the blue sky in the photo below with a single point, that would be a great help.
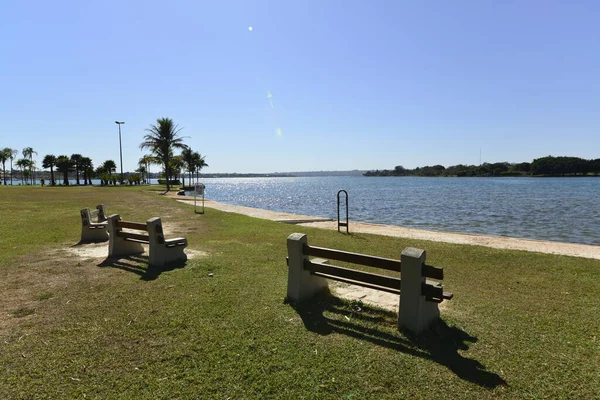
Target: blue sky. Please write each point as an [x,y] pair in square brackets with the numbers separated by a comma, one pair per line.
[352,84]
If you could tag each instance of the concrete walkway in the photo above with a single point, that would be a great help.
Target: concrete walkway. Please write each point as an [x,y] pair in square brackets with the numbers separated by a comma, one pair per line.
[561,248]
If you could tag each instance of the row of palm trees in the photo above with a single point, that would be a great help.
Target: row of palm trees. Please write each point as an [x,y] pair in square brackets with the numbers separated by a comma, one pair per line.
[25,164]
[162,139]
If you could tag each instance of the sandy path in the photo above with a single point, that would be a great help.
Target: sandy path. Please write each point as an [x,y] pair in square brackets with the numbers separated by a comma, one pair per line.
[498,242]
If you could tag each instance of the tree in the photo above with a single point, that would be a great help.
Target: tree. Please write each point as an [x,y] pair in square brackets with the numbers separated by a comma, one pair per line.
[28,152]
[199,163]
[109,166]
[145,161]
[161,140]
[177,165]
[24,165]
[187,156]
[50,162]
[87,168]
[76,160]
[64,165]
[13,154]
[142,171]
[5,155]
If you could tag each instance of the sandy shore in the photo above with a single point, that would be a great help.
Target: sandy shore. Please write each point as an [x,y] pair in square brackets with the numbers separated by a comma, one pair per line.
[539,246]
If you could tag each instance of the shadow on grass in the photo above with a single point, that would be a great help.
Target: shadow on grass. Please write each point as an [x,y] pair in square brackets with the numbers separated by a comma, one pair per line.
[138,264]
[440,344]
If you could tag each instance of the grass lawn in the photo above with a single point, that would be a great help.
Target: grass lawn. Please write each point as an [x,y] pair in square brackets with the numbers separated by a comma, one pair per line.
[521,325]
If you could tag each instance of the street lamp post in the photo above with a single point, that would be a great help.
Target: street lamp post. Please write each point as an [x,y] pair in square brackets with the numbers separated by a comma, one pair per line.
[120,148]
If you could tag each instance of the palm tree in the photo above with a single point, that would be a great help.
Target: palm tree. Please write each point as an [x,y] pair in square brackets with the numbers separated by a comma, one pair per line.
[199,163]
[50,162]
[76,160]
[64,165]
[177,165]
[161,139]
[145,161]
[109,166]
[13,154]
[188,159]
[24,165]
[5,154]
[29,152]
[87,167]
[142,171]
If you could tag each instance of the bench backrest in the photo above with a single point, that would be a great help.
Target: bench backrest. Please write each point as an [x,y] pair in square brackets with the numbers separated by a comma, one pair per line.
[434,292]
[93,216]
[86,217]
[153,227]
[119,225]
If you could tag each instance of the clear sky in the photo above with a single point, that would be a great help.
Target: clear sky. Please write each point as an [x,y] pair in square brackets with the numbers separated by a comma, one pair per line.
[314,85]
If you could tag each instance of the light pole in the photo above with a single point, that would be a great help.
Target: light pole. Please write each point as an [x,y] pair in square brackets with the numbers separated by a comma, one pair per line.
[120,149]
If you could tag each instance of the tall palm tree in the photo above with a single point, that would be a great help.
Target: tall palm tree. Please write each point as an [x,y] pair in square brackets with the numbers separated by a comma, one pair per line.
[50,162]
[145,161]
[13,154]
[188,159]
[28,152]
[177,165]
[64,165]
[87,168]
[142,171]
[199,163]
[76,160]
[109,166]
[162,139]
[24,165]
[4,156]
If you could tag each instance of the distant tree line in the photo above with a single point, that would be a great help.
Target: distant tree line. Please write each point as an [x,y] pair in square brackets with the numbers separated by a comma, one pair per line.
[161,140]
[545,166]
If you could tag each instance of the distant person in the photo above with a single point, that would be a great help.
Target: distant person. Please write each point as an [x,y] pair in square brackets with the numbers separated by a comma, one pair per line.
[42,181]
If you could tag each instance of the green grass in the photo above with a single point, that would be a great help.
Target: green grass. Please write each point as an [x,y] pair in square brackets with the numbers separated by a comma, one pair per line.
[521,325]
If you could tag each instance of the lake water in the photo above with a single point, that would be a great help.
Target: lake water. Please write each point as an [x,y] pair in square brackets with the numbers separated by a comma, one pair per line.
[559,209]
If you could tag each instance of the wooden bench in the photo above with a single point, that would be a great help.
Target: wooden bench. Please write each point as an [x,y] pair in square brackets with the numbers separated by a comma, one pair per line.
[162,251]
[419,296]
[94,225]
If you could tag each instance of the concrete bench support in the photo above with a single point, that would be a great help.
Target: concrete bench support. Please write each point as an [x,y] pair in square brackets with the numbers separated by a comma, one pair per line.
[100,213]
[415,313]
[93,231]
[301,284]
[164,251]
[120,246]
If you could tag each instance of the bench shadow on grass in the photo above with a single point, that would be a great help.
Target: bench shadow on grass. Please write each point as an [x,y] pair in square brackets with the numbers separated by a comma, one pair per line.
[440,344]
[138,264]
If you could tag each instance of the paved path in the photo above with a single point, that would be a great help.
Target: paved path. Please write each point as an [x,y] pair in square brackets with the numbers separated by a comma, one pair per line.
[561,248]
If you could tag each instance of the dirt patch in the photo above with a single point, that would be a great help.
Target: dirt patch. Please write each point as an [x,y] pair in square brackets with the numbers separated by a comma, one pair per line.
[100,250]
[387,301]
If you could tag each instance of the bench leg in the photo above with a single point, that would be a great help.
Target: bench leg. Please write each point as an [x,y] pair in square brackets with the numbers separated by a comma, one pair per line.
[415,313]
[160,255]
[94,233]
[301,284]
[118,247]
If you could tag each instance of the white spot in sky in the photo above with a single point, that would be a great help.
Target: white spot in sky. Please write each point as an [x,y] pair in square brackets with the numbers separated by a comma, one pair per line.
[250,28]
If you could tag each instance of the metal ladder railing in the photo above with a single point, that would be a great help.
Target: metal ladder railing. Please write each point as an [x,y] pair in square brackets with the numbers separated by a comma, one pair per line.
[340,224]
